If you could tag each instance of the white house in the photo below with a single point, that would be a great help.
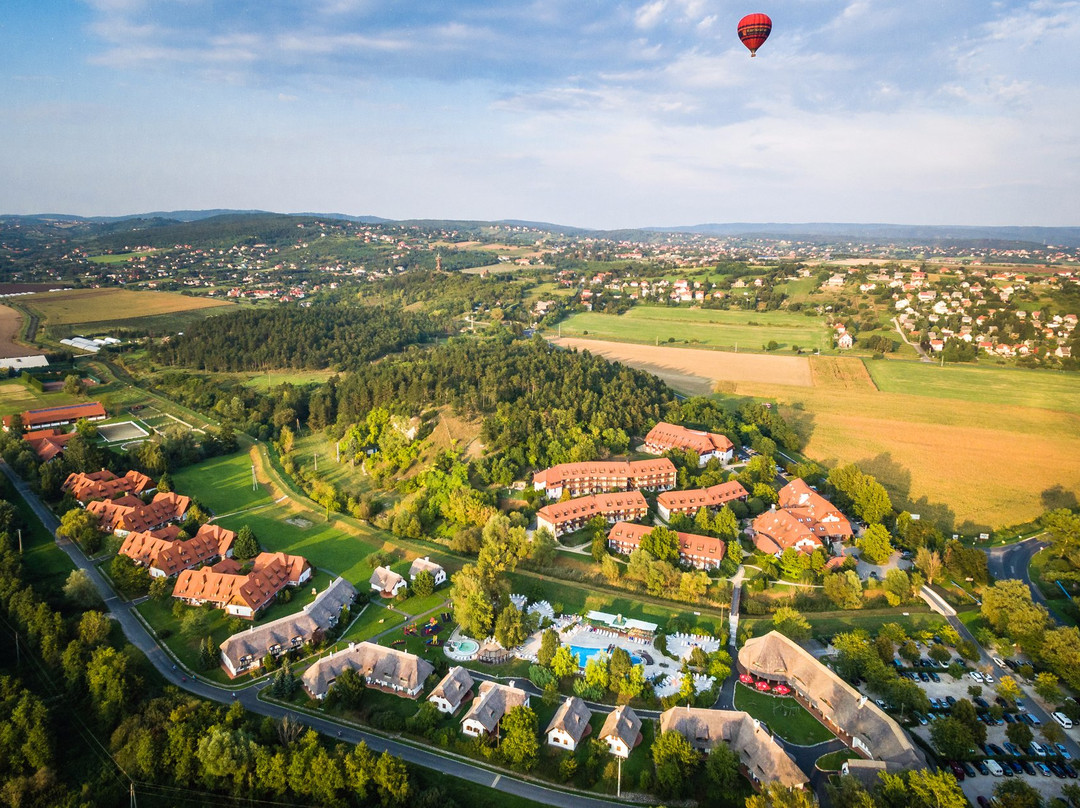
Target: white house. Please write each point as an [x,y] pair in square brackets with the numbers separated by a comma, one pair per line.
[493,701]
[386,582]
[454,688]
[569,724]
[621,732]
[425,564]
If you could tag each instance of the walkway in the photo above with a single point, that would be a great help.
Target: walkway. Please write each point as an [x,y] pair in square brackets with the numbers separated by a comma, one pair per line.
[137,634]
[918,348]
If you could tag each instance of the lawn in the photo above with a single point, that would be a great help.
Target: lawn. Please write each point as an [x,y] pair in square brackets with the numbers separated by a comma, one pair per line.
[834,760]
[159,615]
[375,619]
[714,327]
[783,715]
[17,397]
[102,306]
[223,484]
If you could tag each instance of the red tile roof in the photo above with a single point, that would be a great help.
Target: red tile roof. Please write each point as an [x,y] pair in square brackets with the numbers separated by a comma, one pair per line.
[587,507]
[47,443]
[694,548]
[172,556]
[620,473]
[131,514]
[105,485]
[776,531]
[32,419]
[666,436]
[690,500]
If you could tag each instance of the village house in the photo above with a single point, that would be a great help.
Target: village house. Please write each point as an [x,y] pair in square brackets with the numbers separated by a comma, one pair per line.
[106,485]
[449,694]
[702,552]
[664,437]
[58,416]
[129,513]
[853,717]
[691,500]
[386,669]
[427,565]
[245,596]
[802,519]
[621,731]
[386,582]
[493,701]
[571,515]
[247,649]
[761,756]
[596,477]
[569,724]
[165,555]
[47,443]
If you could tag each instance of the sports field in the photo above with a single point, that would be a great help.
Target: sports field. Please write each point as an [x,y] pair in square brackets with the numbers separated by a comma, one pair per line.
[713,327]
[100,306]
[972,448]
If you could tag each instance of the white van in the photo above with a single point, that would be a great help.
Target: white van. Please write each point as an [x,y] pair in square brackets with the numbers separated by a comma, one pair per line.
[994,767]
[1062,719]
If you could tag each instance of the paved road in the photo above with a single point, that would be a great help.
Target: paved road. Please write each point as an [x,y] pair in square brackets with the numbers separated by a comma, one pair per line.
[137,635]
[1013,561]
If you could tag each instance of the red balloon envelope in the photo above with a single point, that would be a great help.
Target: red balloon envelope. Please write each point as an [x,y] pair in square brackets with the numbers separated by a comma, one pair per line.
[754,29]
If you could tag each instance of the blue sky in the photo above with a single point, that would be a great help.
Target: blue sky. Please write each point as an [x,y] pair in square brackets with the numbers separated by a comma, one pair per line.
[583,112]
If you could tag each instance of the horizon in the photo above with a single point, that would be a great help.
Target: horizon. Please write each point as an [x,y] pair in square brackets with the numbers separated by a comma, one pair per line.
[613,118]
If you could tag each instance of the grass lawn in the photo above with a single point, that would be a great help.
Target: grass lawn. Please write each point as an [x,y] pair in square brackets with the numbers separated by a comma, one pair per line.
[375,619]
[159,615]
[417,605]
[783,715]
[715,327]
[834,760]
[17,397]
[223,484]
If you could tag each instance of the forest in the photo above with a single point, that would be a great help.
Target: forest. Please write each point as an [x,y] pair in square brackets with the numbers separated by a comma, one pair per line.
[337,335]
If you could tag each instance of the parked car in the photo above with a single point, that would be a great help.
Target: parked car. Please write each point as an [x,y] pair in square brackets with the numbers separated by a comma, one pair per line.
[997,750]
[1020,705]
[1013,749]
[923,677]
[978,677]
[956,770]
[1008,718]
[1036,749]
[995,768]
[1070,771]
[999,661]
[1015,767]
[1063,751]
[982,767]
[1062,719]
[1059,772]
[969,770]
[982,703]
[1011,665]
[983,802]
[1043,769]
[1028,768]
[950,700]
[920,718]
[1033,720]
[934,677]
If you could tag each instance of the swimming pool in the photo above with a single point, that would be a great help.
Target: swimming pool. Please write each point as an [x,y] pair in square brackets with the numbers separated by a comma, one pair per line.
[583,655]
[467,646]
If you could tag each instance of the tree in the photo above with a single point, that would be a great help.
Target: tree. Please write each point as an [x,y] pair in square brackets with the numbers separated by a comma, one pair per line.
[952,738]
[722,768]
[1061,654]
[543,548]
[1046,686]
[875,545]
[510,627]
[520,744]
[423,584]
[935,789]
[1019,734]
[81,526]
[897,587]
[94,628]
[549,644]
[110,685]
[939,653]
[1008,689]
[129,576]
[790,622]
[675,761]
[1015,793]
[775,795]
[610,569]
[160,588]
[246,545]
[1008,608]
[473,609]
[80,590]
[964,712]
[928,562]
[392,779]
[564,664]
[619,668]
[348,689]
[73,385]
[662,544]
[844,589]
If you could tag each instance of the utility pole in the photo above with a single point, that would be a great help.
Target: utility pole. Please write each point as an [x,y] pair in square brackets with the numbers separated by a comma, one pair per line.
[133,803]
[618,788]
[316,462]
[254,485]
[20,541]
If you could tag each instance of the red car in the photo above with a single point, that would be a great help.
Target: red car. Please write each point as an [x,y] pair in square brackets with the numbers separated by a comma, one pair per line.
[957,769]
[746,678]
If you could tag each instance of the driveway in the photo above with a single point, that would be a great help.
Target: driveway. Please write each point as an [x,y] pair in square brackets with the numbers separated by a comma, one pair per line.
[1013,561]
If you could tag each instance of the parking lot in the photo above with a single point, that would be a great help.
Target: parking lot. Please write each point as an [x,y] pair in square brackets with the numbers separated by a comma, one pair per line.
[1047,784]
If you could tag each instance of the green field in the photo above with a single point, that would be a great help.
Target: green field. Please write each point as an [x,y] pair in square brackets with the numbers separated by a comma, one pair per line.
[223,484]
[783,715]
[709,327]
[17,397]
[1041,389]
[118,258]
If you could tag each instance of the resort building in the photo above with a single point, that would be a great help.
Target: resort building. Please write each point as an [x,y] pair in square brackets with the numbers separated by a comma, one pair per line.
[427,565]
[246,650]
[241,595]
[569,724]
[761,756]
[449,694]
[855,719]
[129,513]
[165,555]
[492,702]
[597,477]
[386,669]
[59,416]
[664,437]
[693,500]
[47,443]
[703,552]
[386,582]
[106,485]
[621,731]
[566,517]
[802,519]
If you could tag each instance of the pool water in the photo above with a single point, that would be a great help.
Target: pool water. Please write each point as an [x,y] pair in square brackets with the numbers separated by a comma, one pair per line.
[583,655]
[467,647]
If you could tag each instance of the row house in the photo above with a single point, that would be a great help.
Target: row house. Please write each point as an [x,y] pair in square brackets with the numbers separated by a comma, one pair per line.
[692,500]
[664,437]
[245,596]
[105,484]
[702,552]
[802,519]
[129,514]
[566,517]
[596,477]
[164,554]
[386,669]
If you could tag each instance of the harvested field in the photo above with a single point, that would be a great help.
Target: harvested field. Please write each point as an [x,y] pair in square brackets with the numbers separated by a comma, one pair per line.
[10,326]
[694,370]
[841,373]
[101,306]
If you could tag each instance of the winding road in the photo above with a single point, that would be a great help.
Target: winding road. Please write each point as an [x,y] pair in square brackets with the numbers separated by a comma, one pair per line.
[138,635]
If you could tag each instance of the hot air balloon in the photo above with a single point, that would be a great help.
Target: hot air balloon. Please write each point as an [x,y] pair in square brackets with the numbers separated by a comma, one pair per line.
[754,30]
